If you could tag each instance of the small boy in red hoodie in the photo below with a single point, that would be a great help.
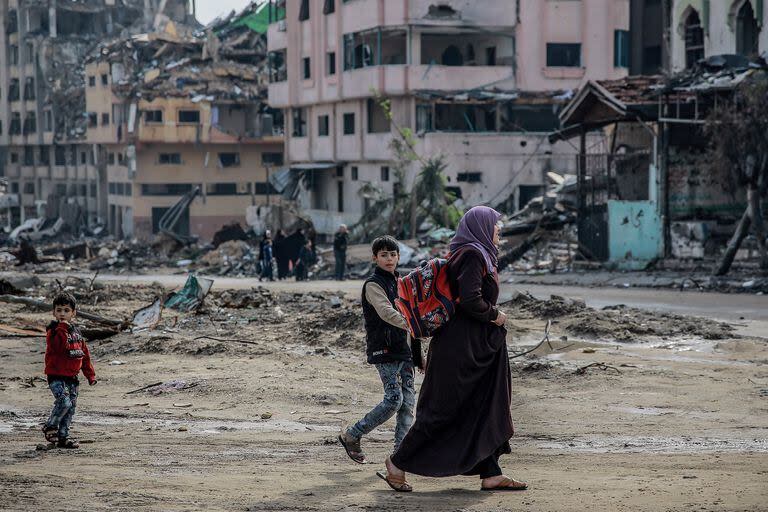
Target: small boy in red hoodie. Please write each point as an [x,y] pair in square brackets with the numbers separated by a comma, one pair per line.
[65,355]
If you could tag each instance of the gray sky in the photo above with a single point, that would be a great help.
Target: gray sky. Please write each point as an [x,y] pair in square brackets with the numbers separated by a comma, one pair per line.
[207,10]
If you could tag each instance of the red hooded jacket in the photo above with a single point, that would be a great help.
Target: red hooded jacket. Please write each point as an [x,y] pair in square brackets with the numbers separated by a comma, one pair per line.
[66,352]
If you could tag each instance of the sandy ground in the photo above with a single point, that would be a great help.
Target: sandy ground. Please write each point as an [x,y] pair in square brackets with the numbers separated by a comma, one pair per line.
[671,423]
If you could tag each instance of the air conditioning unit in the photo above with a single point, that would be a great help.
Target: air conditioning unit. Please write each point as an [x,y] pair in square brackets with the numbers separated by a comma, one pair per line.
[281,27]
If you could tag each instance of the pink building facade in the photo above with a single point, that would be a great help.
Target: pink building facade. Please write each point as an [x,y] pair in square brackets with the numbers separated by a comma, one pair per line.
[477,82]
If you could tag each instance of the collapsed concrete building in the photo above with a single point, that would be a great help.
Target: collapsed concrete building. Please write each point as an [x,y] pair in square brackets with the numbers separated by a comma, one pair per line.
[479,82]
[48,167]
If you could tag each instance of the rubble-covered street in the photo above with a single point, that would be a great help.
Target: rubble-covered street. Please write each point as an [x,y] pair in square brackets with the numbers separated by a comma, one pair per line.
[236,406]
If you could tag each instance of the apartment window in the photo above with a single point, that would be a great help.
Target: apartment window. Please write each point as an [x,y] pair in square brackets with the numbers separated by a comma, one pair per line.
[13,89]
[61,189]
[229,159]
[29,155]
[118,113]
[72,155]
[13,55]
[83,190]
[104,119]
[15,187]
[91,81]
[29,88]
[378,120]
[490,56]
[153,116]
[48,121]
[45,156]
[111,159]
[299,122]
[424,118]
[12,25]
[30,123]
[329,6]
[304,10]
[120,159]
[189,116]
[469,177]
[93,119]
[112,188]
[128,189]
[15,124]
[349,123]
[385,173]
[747,31]
[120,189]
[354,173]
[29,187]
[272,158]
[278,71]
[563,55]
[227,189]
[165,189]
[276,10]
[14,157]
[83,158]
[29,53]
[307,68]
[330,63]
[262,188]
[339,171]
[694,39]
[322,126]
[104,79]
[621,48]
[60,155]
[169,159]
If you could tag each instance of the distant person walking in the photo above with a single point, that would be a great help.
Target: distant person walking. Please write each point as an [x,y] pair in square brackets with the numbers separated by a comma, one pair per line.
[340,243]
[463,422]
[281,253]
[265,257]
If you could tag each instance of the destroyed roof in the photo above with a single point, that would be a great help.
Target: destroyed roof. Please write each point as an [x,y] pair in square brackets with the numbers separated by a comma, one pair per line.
[495,95]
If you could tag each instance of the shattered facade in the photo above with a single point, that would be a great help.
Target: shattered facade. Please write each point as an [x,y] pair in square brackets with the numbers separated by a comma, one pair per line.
[45,159]
[190,112]
[455,73]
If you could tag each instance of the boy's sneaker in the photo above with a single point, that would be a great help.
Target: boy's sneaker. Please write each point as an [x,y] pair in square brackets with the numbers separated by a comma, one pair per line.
[352,447]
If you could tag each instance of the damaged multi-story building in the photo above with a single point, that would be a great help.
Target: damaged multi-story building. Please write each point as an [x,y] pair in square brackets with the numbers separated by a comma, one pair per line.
[478,82]
[49,167]
[189,113]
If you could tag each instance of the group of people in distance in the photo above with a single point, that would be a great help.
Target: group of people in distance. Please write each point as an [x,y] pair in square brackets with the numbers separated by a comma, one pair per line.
[461,423]
[295,254]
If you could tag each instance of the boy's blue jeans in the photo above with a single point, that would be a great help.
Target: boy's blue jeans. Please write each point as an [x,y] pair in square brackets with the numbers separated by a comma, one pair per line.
[399,397]
[65,393]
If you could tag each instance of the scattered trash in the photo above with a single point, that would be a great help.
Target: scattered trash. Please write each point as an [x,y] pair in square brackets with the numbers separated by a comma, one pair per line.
[116,362]
[191,296]
[266,415]
[185,404]
[148,317]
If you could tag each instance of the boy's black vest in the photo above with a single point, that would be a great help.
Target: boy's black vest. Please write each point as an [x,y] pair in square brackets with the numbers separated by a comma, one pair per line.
[385,343]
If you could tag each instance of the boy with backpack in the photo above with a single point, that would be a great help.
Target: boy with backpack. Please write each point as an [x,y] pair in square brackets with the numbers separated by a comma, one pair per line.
[388,347]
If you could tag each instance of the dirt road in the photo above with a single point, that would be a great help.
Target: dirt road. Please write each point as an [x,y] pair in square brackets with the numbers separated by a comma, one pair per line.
[672,422]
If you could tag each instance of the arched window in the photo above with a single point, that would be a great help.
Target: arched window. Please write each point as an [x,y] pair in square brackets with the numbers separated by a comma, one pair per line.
[694,39]
[746,30]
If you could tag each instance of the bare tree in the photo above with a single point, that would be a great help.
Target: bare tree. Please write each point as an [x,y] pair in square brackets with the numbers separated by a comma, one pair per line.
[739,134]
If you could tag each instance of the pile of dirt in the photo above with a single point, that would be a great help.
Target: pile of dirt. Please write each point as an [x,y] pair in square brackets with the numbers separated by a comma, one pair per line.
[228,254]
[618,323]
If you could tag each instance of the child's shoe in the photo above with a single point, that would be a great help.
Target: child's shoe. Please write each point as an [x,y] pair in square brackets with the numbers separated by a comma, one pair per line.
[68,443]
[51,434]
[352,447]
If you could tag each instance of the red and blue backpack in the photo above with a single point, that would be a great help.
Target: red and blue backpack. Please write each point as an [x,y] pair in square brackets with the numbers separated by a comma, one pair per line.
[425,299]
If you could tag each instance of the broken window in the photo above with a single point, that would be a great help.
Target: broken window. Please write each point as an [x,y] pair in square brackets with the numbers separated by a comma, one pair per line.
[424,120]
[15,128]
[375,48]
[304,10]
[165,189]
[153,116]
[349,123]
[262,188]
[378,121]
[229,159]
[307,68]
[30,123]
[563,55]
[459,50]
[29,88]
[529,118]
[91,81]
[13,55]
[59,155]
[330,64]
[169,159]
[621,48]
[272,158]
[93,119]
[329,6]
[224,189]
[322,126]
[29,53]
[118,113]
[747,31]
[13,90]
[29,155]
[276,10]
[299,121]
[469,177]
[104,79]
[189,116]
[278,72]
[694,39]
[45,156]
[465,117]
[48,121]
[104,119]
[81,23]
[384,173]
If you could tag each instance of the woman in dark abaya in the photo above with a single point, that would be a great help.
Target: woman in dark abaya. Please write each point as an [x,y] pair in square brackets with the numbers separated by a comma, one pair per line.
[463,421]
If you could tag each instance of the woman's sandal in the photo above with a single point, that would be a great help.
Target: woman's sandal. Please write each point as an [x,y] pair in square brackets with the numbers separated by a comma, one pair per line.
[396,483]
[68,443]
[508,484]
[51,434]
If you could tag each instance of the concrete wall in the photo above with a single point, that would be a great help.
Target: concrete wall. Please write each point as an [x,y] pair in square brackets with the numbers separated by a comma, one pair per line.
[634,233]
[719,27]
